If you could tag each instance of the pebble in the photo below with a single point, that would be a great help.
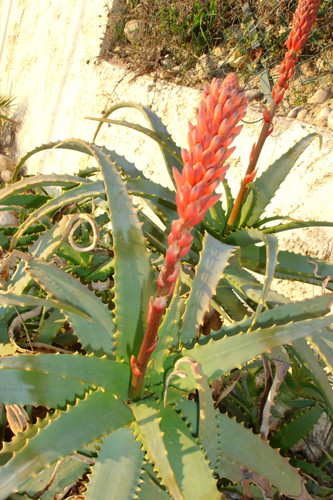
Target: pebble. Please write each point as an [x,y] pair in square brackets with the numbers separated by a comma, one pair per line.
[203,67]
[302,114]
[133,31]
[320,96]
[321,118]
[253,94]
[294,112]
[6,176]
[8,219]
[6,163]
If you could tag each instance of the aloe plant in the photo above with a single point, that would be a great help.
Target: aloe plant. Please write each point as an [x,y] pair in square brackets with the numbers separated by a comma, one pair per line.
[111,346]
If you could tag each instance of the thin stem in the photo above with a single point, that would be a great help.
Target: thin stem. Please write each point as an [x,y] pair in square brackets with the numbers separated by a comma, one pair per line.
[250,169]
[149,339]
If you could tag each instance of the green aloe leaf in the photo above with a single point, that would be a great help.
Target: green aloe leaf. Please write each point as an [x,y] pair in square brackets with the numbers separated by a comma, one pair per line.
[96,334]
[20,386]
[264,187]
[295,225]
[116,473]
[156,193]
[187,459]
[67,181]
[149,432]
[25,200]
[134,282]
[50,443]
[304,353]
[230,302]
[48,379]
[156,237]
[44,247]
[271,244]
[81,147]
[323,343]
[67,472]
[226,468]
[281,315]
[158,132]
[292,432]
[149,490]
[231,352]
[11,299]
[213,260]
[244,284]
[240,446]
[290,266]
[51,326]
[203,422]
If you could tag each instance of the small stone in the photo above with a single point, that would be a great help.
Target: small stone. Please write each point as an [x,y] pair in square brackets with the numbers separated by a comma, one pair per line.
[203,67]
[217,52]
[294,112]
[8,219]
[302,115]
[321,118]
[253,94]
[6,163]
[330,120]
[6,176]
[133,31]
[320,96]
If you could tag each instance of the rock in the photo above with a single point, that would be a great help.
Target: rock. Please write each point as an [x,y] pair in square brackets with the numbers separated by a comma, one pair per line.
[6,176]
[294,112]
[6,163]
[203,68]
[330,120]
[8,219]
[320,96]
[321,118]
[302,114]
[217,52]
[253,94]
[237,63]
[133,31]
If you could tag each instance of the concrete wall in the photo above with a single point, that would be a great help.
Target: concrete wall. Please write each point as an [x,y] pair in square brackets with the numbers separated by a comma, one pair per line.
[45,47]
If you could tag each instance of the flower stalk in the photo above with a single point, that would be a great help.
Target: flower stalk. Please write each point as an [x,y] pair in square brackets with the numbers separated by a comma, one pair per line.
[222,106]
[303,20]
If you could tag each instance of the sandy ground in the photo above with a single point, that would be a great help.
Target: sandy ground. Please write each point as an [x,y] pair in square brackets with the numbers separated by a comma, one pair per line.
[49,62]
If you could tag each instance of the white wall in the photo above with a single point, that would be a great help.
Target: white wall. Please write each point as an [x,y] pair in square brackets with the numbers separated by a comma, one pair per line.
[44,46]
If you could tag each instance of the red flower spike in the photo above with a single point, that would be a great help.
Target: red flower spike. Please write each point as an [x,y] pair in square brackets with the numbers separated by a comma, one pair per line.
[172,253]
[134,366]
[172,277]
[185,250]
[176,228]
[177,176]
[303,20]
[223,105]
